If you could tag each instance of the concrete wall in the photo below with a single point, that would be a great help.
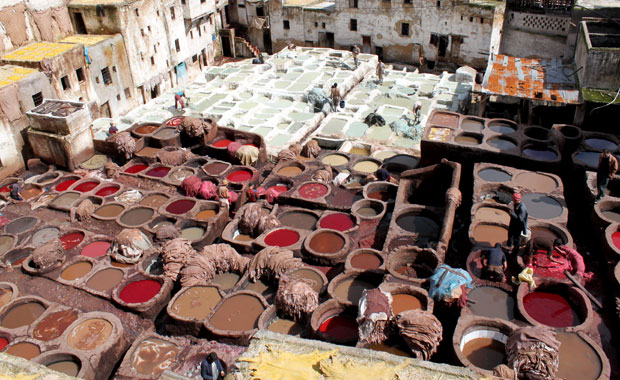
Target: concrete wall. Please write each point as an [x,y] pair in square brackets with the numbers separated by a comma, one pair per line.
[533,35]
[600,66]
[193,9]
[472,29]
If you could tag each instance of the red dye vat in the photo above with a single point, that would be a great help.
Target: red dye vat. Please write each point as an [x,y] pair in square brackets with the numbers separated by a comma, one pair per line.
[279,189]
[339,222]
[86,186]
[180,207]
[6,188]
[239,176]
[158,172]
[106,191]
[282,238]
[340,327]
[135,169]
[222,143]
[140,291]
[174,122]
[96,249]
[547,268]
[312,190]
[65,185]
[615,237]
[3,343]
[71,240]
[550,309]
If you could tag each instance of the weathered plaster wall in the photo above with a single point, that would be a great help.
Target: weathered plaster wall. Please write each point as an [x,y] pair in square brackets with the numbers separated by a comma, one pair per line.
[600,66]
[532,35]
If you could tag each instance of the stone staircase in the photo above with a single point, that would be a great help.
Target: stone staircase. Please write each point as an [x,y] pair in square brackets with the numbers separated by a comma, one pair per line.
[252,48]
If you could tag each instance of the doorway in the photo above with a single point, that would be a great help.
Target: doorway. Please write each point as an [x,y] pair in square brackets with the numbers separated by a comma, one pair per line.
[80,26]
[443,46]
[154,91]
[366,41]
[105,110]
[330,39]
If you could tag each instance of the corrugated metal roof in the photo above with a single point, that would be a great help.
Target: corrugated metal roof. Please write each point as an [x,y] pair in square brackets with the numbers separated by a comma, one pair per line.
[537,79]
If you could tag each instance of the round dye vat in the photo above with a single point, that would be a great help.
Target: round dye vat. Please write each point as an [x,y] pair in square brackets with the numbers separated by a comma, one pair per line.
[238,313]
[578,360]
[550,309]
[492,214]
[107,191]
[404,302]
[242,237]
[24,350]
[140,291]
[136,169]
[20,225]
[158,172]
[45,235]
[196,302]
[382,195]
[86,186]
[216,168]
[22,315]
[501,144]
[109,211]
[65,200]
[96,249]
[445,119]
[71,240]
[490,302]
[540,154]
[68,367]
[222,143]
[205,214]
[282,238]
[3,343]
[174,122]
[308,275]
[601,144]
[613,214]
[239,176]
[146,129]
[312,190]
[335,160]
[154,200]
[77,270]
[65,184]
[6,294]
[192,233]
[367,212]
[366,166]
[484,352]
[544,233]
[615,238]
[298,219]
[588,158]
[154,356]
[488,234]
[464,139]
[366,261]
[536,182]
[137,216]
[290,171]
[542,206]
[500,127]
[342,327]
[155,266]
[180,206]
[6,242]
[30,192]
[418,224]
[351,289]
[339,222]
[52,326]
[472,125]
[166,133]
[327,242]
[89,334]
[285,326]
[226,280]
[105,279]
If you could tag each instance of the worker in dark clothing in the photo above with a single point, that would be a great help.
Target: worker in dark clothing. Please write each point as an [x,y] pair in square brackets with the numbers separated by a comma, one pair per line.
[518,223]
[541,244]
[607,167]
[382,175]
[16,192]
[494,263]
[178,99]
[211,368]
[335,97]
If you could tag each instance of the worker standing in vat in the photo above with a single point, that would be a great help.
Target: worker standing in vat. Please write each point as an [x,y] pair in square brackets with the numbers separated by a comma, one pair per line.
[380,71]
[356,52]
[335,97]
[518,223]
[494,263]
[16,192]
[607,167]
[211,368]
[222,192]
[113,129]
[178,99]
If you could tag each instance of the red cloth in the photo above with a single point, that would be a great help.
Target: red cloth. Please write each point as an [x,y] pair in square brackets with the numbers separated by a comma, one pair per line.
[576,260]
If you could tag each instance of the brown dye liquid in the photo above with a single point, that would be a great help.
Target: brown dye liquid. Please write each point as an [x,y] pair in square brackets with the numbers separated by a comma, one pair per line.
[485,353]
[418,224]
[360,151]
[77,270]
[215,168]
[536,182]
[365,261]
[24,350]
[259,287]
[402,302]
[302,220]
[109,211]
[238,313]
[368,212]
[22,315]
[389,349]
[196,302]
[316,281]
[148,152]
[6,242]
[290,171]
[65,200]
[5,296]
[192,233]
[146,129]
[68,367]
[285,326]
[226,280]
[205,214]
[31,192]
[52,326]
[90,334]
[578,360]
[351,289]
[327,242]
[467,140]
[121,265]
[155,200]
[154,356]
[137,216]
[243,237]
[541,232]
[105,279]
[492,214]
[486,234]
[472,125]
[445,120]
[490,302]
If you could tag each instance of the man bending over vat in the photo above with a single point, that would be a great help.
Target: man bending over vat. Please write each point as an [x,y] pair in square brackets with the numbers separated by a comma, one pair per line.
[546,245]
[494,263]
[211,368]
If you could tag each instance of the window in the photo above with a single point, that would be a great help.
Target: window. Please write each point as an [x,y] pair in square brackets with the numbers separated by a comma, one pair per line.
[408,2]
[471,19]
[203,1]
[260,12]
[404,29]
[353,4]
[195,58]
[142,32]
[127,93]
[199,31]
[152,60]
[286,24]
[191,34]
[481,20]
[323,26]
[438,4]
[100,11]
[316,24]
[97,80]
[65,83]
[353,24]
[155,48]
[172,15]
[148,28]
[137,13]
[183,2]
[177,45]
[80,74]
[118,97]
[37,98]
[141,56]
[241,5]
[158,13]
[105,74]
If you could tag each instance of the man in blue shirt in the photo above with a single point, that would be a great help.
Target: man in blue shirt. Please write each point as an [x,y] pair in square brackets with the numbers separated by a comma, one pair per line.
[211,368]
[493,263]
